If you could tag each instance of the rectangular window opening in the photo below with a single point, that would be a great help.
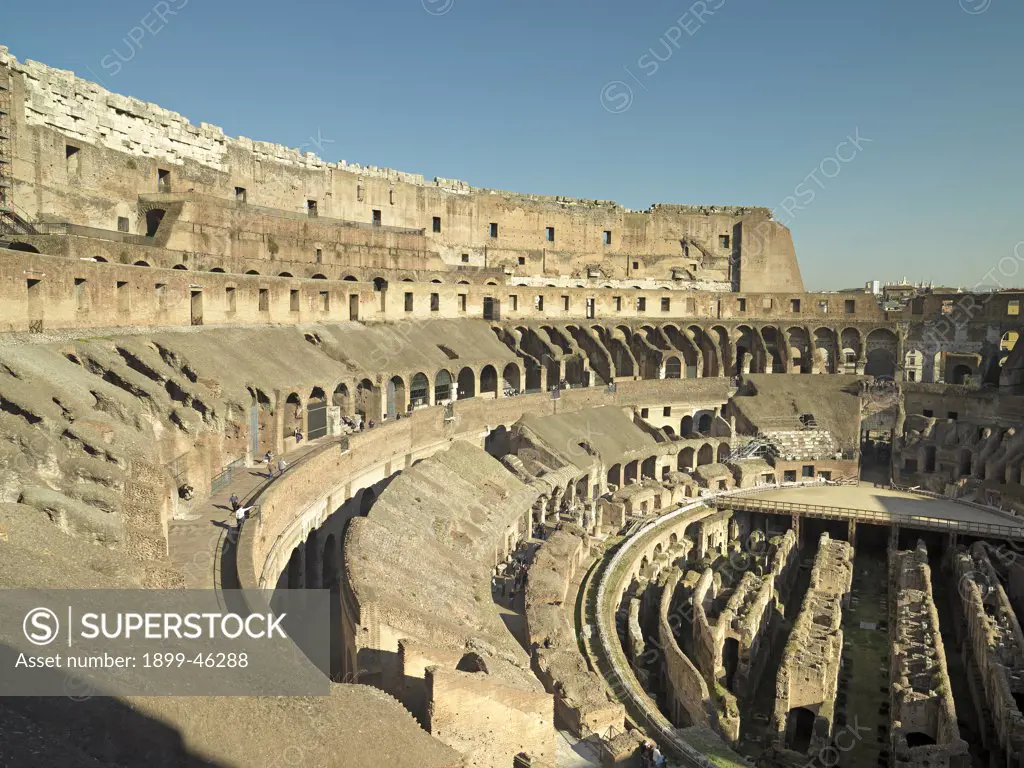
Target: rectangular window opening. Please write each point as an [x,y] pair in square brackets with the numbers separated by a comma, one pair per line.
[80,295]
[850,306]
[723,241]
[513,302]
[741,305]
[794,305]
[1013,307]
[465,258]
[264,303]
[325,301]
[163,180]
[666,304]
[293,300]
[229,296]
[607,237]
[538,303]
[408,301]
[436,224]
[435,302]
[550,234]
[522,261]
[123,299]
[377,220]
[123,224]
[494,230]
[462,302]
[641,304]
[311,208]
[241,195]
[565,303]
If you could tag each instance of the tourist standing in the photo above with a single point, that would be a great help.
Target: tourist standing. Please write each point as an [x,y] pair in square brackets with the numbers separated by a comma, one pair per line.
[282,465]
[269,458]
[234,502]
[240,514]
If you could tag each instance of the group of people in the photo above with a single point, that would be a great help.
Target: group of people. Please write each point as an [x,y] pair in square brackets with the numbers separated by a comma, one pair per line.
[282,465]
[651,757]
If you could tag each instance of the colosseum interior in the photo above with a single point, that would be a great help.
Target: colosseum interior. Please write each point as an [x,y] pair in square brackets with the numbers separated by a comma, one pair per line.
[576,478]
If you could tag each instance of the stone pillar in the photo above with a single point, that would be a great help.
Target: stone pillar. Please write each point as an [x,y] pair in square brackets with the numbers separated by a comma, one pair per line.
[894,537]
[314,562]
[333,420]
[279,406]
[798,531]
[301,549]
[851,532]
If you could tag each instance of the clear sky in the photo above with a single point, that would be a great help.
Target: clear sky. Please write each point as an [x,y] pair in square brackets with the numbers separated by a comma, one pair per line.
[715,102]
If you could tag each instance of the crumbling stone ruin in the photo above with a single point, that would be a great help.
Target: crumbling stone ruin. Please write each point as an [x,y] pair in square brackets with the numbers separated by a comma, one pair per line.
[924,724]
[575,477]
[807,680]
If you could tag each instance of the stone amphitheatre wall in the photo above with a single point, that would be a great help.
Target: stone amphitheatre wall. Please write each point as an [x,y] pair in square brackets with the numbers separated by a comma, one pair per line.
[73,138]
[689,699]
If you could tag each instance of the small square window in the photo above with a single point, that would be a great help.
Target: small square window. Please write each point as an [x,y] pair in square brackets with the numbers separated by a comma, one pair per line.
[928,412]
[377,218]
[767,303]
[1013,307]
[807,470]
[911,375]
[952,415]
[565,303]
[666,304]
[823,307]
[850,306]
[494,229]
[794,305]
[641,304]
[513,301]
[607,237]
[465,258]
[550,232]
[644,413]
[538,303]
[741,305]
[241,195]
[408,301]
[123,225]
[666,411]
[435,302]
[723,241]
[436,224]
[311,207]
[522,260]
[636,265]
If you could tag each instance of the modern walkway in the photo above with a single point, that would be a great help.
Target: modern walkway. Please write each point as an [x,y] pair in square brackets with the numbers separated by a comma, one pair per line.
[197,544]
[881,506]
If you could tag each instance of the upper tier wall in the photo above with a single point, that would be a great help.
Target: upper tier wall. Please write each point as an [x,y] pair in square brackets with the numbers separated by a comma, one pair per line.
[85,155]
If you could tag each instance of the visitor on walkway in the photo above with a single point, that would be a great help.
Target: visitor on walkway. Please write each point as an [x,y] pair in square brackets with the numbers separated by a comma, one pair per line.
[282,465]
[657,759]
[240,514]
[269,458]
[234,502]
[298,436]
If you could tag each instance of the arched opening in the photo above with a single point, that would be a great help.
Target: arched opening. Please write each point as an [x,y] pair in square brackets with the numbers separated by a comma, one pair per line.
[141,263]
[498,442]
[730,661]
[330,578]
[367,404]
[632,468]
[471,662]
[101,260]
[686,457]
[533,370]
[467,384]
[706,455]
[704,423]
[316,414]
[615,475]
[442,386]
[686,426]
[218,269]
[292,414]
[799,729]
[366,500]
[319,276]
[351,278]
[881,353]
[488,380]
[312,572]
[26,248]
[342,398]
[647,469]
[380,284]
[154,217]
[251,272]
[419,390]
[396,397]
[673,368]
[723,453]
[582,488]
[176,266]
[961,374]
[918,739]
[436,281]
[284,274]
[510,378]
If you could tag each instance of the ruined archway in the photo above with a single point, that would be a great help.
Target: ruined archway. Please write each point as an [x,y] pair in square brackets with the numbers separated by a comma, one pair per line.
[467,384]
[442,386]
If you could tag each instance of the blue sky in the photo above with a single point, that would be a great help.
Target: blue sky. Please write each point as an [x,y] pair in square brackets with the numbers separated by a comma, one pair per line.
[717,102]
